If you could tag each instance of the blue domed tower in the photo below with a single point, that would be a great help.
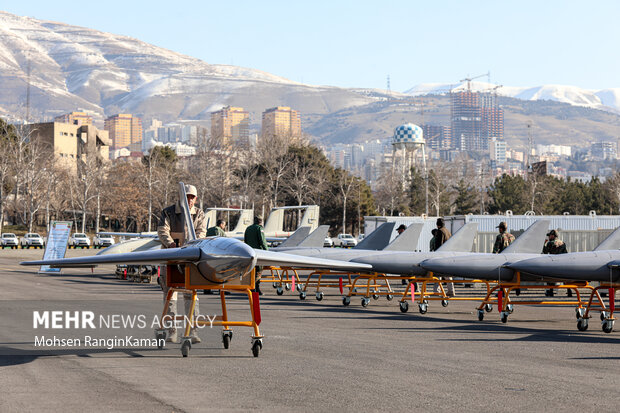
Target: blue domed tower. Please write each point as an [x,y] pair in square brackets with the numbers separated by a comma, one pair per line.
[408,136]
[407,139]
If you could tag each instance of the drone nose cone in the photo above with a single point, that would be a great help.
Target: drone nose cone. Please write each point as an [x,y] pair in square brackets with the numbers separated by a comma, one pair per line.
[244,253]
[439,265]
[223,259]
[459,266]
[573,266]
[538,266]
[470,266]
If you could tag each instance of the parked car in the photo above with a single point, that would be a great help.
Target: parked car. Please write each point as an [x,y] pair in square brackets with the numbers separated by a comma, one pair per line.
[102,241]
[328,243]
[33,240]
[9,240]
[360,237]
[79,240]
[345,241]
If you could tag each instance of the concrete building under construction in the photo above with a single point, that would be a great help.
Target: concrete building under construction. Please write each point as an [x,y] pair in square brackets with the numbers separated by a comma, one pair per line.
[474,119]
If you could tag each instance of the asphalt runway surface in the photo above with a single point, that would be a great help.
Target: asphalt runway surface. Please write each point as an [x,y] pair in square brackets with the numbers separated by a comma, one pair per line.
[317,356]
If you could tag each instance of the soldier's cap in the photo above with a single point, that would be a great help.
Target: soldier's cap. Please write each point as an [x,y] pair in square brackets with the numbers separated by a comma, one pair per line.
[191,190]
[502,225]
[552,232]
[402,226]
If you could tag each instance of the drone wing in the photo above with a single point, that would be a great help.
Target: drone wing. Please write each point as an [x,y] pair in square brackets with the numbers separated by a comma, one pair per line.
[165,256]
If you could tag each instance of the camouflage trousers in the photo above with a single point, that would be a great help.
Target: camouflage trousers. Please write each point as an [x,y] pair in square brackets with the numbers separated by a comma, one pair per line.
[171,311]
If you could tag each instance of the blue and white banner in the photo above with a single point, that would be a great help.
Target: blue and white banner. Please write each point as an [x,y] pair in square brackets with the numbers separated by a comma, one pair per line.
[56,245]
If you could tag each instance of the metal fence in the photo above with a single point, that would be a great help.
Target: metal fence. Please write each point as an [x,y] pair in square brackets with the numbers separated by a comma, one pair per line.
[580,233]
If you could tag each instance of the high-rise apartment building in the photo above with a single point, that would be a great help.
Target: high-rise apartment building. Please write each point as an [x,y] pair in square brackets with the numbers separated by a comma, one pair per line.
[497,150]
[281,121]
[466,121]
[75,118]
[232,124]
[475,118]
[437,136]
[604,150]
[124,130]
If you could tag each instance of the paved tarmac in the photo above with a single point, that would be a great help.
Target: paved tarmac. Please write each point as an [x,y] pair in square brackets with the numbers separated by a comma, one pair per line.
[317,356]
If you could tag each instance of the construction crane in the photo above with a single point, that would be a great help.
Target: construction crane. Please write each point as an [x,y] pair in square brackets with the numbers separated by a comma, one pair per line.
[469,79]
[492,91]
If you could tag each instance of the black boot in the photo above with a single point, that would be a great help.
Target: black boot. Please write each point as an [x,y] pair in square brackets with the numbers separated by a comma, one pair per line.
[257,288]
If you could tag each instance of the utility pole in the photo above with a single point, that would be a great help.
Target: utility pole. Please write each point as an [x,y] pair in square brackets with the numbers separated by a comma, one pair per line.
[28,92]
[359,209]
[530,144]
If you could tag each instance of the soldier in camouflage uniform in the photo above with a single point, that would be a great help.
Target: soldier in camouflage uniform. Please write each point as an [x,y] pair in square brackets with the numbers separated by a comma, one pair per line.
[503,239]
[172,233]
[218,230]
[554,246]
[441,236]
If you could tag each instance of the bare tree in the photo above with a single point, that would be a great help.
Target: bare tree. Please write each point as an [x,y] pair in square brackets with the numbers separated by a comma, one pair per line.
[247,174]
[212,170]
[273,151]
[298,182]
[151,162]
[124,200]
[7,143]
[23,133]
[441,179]
[86,183]
[37,158]
[346,183]
[57,192]
[390,194]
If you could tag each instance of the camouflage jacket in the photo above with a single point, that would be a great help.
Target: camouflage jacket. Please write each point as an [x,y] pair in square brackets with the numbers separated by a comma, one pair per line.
[502,241]
[172,225]
[556,246]
[443,234]
[216,231]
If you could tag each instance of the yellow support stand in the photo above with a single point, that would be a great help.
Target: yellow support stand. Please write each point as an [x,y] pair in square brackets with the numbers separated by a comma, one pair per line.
[184,283]
[607,312]
[506,304]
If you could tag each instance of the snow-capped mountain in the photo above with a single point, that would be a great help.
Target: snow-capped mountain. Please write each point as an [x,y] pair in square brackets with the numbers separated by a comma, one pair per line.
[606,99]
[74,67]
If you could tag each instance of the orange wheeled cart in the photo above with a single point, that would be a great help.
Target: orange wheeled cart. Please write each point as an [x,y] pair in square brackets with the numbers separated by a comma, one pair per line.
[186,278]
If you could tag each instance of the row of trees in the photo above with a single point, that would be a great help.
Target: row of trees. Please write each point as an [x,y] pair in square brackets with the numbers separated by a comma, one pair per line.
[278,171]
[462,187]
[130,195]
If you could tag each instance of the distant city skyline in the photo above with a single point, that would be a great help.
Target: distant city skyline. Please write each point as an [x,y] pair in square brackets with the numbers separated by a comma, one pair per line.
[361,43]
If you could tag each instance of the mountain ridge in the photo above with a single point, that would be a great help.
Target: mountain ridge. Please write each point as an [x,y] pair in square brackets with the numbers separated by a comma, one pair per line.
[75,67]
[572,95]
